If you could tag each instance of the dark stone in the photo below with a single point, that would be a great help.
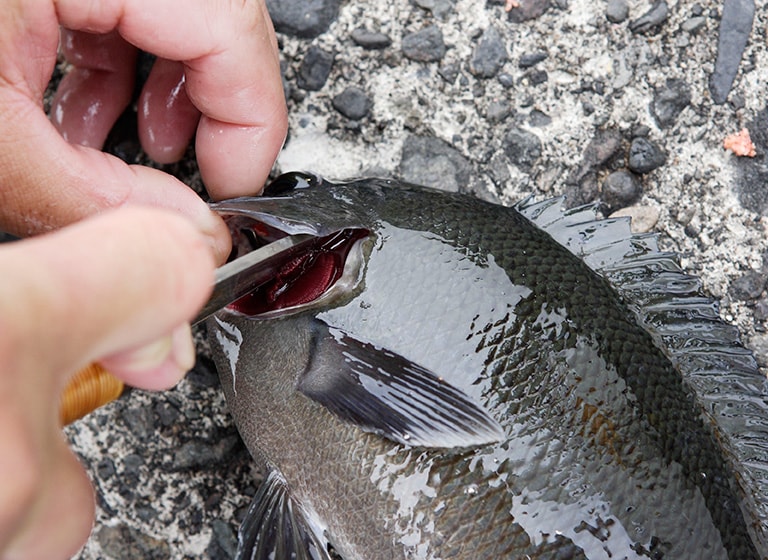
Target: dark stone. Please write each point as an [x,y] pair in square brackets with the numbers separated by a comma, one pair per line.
[140,422]
[203,454]
[449,71]
[125,543]
[430,161]
[223,543]
[539,119]
[353,103]
[439,8]
[645,156]
[489,55]
[537,77]
[425,45]
[527,10]
[523,148]
[315,69]
[669,101]
[621,189]
[617,11]
[651,19]
[506,80]
[735,27]
[748,286]
[532,59]
[306,19]
[167,414]
[752,183]
[370,39]
[761,310]
[602,148]
[105,469]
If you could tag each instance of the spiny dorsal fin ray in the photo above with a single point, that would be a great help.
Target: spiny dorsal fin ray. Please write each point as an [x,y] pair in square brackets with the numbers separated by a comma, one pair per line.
[684,324]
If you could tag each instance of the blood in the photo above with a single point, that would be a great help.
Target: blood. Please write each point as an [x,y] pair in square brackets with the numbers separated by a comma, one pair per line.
[305,277]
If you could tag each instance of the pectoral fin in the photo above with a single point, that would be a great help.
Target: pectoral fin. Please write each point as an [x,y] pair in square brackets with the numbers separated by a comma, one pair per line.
[384,393]
[275,527]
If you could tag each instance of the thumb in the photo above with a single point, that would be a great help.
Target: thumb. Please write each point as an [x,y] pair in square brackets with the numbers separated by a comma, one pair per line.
[105,287]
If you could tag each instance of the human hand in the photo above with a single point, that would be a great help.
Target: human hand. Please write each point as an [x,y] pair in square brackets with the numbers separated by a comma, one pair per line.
[217,72]
[153,270]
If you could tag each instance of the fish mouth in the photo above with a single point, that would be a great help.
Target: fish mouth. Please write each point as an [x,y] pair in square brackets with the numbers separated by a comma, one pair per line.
[324,270]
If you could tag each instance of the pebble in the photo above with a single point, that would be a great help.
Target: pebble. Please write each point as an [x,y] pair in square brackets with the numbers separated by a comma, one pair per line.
[644,218]
[506,80]
[735,27]
[651,19]
[306,19]
[223,543]
[523,148]
[370,39]
[140,422]
[753,172]
[425,45]
[489,55]
[527,10]
[315,69]
[748,287]
[202,454]
[669,101]
[691,25]
[449,71]
[532,59]
[353,103]
[617,11]
[621,189]
[539,119]
[440,8]
[602,148]
[645,156]
[498,110]
[122,542]
[427,160]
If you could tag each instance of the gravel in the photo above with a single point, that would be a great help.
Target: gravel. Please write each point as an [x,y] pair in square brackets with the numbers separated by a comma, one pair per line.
[560,109]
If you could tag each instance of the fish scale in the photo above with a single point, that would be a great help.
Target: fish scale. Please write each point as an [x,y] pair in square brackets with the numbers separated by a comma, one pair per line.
[606,449]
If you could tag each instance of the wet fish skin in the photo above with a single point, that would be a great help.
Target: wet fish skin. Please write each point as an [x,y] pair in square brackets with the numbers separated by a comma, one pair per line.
[600,427]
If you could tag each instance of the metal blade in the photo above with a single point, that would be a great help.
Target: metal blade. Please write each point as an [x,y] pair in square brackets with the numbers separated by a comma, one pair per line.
[244,274]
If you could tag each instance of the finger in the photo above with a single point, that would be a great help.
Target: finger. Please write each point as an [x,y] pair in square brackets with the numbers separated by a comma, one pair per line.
[48,183]
[104,286]
[157,365]
[63,512]
[232,76]
[167,117]
[94,93]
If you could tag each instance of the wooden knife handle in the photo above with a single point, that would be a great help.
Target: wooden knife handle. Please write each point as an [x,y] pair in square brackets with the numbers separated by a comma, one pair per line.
[89,388]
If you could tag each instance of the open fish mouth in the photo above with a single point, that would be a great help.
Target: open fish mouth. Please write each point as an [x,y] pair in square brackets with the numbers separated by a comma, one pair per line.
[324,269]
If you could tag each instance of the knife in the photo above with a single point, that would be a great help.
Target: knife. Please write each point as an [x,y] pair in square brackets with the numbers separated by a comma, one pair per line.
[93,386]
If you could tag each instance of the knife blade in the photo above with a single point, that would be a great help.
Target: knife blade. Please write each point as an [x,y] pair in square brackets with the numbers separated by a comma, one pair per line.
[247,272]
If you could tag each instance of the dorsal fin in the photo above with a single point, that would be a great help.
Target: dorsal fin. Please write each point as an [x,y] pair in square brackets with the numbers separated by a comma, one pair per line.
[686,325]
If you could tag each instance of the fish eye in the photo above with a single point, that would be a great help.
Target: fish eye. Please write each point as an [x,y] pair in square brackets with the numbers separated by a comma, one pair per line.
[289,182]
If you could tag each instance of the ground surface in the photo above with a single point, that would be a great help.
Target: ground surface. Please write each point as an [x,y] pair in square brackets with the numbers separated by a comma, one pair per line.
[462,94]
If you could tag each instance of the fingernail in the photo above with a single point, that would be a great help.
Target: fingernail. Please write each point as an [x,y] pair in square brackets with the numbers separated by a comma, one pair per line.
[217,235]
[183,348]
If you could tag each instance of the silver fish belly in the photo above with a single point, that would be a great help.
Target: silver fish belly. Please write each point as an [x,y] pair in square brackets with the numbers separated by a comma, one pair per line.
[446,379]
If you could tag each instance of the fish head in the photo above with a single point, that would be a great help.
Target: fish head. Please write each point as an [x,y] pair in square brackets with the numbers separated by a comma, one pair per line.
[274,351]
[327,269]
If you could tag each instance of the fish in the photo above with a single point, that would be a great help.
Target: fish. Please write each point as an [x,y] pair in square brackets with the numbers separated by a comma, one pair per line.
[444,377]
